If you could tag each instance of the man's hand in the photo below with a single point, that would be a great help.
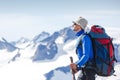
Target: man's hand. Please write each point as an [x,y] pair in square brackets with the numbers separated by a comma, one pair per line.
[73,66]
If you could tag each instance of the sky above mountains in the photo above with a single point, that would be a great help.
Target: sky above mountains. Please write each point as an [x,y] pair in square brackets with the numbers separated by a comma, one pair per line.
[27,18]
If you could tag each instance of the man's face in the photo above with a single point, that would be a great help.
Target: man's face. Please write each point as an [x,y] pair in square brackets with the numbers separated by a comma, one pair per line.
[76,27]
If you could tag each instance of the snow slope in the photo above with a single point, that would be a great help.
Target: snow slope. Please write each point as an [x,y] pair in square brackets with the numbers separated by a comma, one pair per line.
[25,69]
[19,64]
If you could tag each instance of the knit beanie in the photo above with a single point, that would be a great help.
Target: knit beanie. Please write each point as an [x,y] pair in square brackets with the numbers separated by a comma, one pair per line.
[81,21]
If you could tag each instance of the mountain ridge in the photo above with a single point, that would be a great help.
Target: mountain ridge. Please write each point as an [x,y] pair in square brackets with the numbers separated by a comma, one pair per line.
[49,53]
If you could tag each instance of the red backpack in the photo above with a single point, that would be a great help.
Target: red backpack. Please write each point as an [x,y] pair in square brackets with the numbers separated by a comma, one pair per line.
[103,49]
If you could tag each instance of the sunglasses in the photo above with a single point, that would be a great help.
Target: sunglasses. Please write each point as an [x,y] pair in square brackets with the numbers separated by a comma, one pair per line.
[74,24]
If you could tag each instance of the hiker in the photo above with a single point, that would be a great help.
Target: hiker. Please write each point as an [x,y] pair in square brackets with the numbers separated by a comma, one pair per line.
[84,52]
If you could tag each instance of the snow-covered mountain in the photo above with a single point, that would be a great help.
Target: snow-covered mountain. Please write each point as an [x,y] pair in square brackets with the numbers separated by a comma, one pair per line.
[6,45]
[45,57]
[41,37]
[47,51]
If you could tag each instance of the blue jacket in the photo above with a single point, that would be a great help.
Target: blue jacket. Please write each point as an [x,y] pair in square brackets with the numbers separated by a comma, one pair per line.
[85,51]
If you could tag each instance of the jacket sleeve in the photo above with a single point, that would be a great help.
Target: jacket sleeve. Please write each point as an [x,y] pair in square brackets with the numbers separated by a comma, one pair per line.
[84,52]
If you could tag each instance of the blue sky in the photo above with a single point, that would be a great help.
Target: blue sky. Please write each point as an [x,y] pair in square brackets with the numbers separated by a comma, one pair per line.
[27,18]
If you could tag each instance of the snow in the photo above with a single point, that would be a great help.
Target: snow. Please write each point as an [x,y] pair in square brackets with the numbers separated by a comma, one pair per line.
[114,33]
[20,70]
[59,73]
[22,45]
[23,68]
[6,56]
[60,40]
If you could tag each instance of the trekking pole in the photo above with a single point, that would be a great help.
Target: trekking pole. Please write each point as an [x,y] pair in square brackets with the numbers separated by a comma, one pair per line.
[73,75]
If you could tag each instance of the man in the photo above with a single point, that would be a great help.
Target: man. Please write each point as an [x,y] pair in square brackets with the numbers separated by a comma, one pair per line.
[84,51]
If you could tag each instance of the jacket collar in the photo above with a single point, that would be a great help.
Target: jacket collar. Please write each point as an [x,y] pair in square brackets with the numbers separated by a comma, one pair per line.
[80,32]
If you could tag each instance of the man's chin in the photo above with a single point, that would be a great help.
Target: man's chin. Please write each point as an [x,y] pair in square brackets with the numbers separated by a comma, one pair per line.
[75,30]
